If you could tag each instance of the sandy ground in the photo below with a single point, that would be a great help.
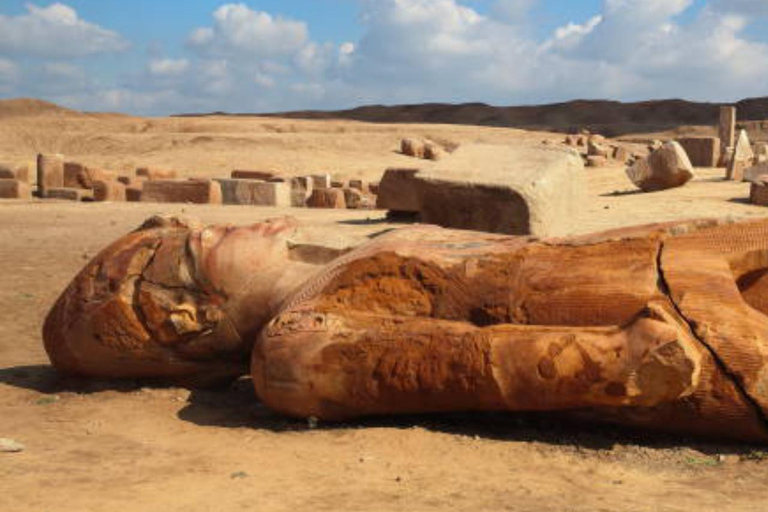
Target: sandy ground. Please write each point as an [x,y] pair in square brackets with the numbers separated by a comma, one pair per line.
[106,445]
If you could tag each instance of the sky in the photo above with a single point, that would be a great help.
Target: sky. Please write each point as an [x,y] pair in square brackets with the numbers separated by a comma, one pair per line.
[153,57]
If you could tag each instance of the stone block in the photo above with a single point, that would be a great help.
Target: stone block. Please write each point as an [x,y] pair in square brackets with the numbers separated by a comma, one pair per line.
[77,175]
[358,200]
[252,192]
[14,172]
[321,181]
[741,159]
[360,185]
[758,193]
[327,198]
[133,194]
[196,191]
[597,161]
[702,151]
[112,191]
[727,130]
[520,189]
[665,168]
[50,173]
[70,194]
[14,189]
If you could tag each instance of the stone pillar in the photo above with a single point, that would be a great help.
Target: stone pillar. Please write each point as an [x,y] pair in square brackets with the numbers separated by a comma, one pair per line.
[727,129]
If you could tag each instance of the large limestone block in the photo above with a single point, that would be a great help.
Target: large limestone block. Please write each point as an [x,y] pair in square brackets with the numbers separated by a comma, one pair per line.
[741,159]
[514,189]
[756,171]
[301,190]
[758,193]
[327,198]
[667,167]
[105,190]
[50,173]
[197,191]
[252,192]
[14,189]
[14,172]
[77,175]
[702,151]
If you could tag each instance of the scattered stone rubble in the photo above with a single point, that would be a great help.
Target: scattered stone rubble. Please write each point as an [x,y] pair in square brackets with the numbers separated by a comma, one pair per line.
[58,178]
[596,150]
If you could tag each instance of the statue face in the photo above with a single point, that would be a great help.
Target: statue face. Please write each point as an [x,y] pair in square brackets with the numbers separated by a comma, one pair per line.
[173,299]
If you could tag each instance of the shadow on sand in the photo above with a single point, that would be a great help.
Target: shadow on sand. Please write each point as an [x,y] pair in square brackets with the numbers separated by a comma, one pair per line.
[236,406]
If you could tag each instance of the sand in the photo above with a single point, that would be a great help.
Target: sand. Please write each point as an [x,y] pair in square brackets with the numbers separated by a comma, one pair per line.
[107,445]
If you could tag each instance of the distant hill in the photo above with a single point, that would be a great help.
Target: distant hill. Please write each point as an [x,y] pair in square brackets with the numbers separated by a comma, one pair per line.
[30,107]
[610,118]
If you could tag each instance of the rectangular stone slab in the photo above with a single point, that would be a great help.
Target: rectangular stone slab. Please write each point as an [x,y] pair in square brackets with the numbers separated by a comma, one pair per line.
[702,151]
[520,189]
[14,189]
[180,191]
[257,193]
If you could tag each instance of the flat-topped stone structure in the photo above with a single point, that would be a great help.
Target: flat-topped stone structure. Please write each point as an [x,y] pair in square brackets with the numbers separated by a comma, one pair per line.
[516,189]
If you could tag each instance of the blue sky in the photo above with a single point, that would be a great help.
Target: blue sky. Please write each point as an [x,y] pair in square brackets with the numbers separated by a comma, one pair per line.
[159,57]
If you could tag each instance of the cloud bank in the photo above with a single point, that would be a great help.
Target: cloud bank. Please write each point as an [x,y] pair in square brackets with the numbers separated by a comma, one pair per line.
[409,51]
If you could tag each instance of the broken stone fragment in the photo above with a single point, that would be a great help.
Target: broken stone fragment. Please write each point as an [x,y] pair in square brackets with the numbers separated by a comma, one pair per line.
[667,167]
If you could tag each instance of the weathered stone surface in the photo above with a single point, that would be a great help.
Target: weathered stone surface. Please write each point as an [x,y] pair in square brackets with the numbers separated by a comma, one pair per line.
[517,332]
[50,172]
[197,191]
[327,198]
[598,148]
[433,151]
[257,193]
[70,194]
[515,189]
[112,191]
[756,171]
[77,175]
[412,147]
[741,159]
[702,151]
[9,445]
[254,175]
[153,173]
[14,172]
[727,130]
[169,301]
[358,200]
[301,189]
[758,193]
[14,189]
[621,154]
[667,167]
[133,194]
[597,161]
[359,185]
[321,180]
[338,184]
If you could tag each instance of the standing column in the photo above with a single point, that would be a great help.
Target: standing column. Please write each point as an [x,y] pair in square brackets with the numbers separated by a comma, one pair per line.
[727,132]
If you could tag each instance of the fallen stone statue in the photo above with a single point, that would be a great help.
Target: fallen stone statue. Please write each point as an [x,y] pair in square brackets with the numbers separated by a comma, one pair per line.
[661,326]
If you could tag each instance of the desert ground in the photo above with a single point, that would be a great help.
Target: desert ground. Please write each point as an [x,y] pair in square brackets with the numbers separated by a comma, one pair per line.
[94,446]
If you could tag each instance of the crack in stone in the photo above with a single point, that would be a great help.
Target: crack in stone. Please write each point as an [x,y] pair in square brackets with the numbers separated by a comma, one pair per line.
[719,363]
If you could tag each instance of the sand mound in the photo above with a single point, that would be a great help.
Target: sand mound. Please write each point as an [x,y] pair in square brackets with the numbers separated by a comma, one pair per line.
[30,107]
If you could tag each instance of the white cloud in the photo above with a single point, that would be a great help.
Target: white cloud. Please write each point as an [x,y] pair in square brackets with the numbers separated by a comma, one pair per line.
[238,28]
[415,51]
[168,67]
[55,31]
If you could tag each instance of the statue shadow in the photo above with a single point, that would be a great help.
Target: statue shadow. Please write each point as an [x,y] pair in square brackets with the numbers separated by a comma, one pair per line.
[620,193]
[45,379]
[236,406]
